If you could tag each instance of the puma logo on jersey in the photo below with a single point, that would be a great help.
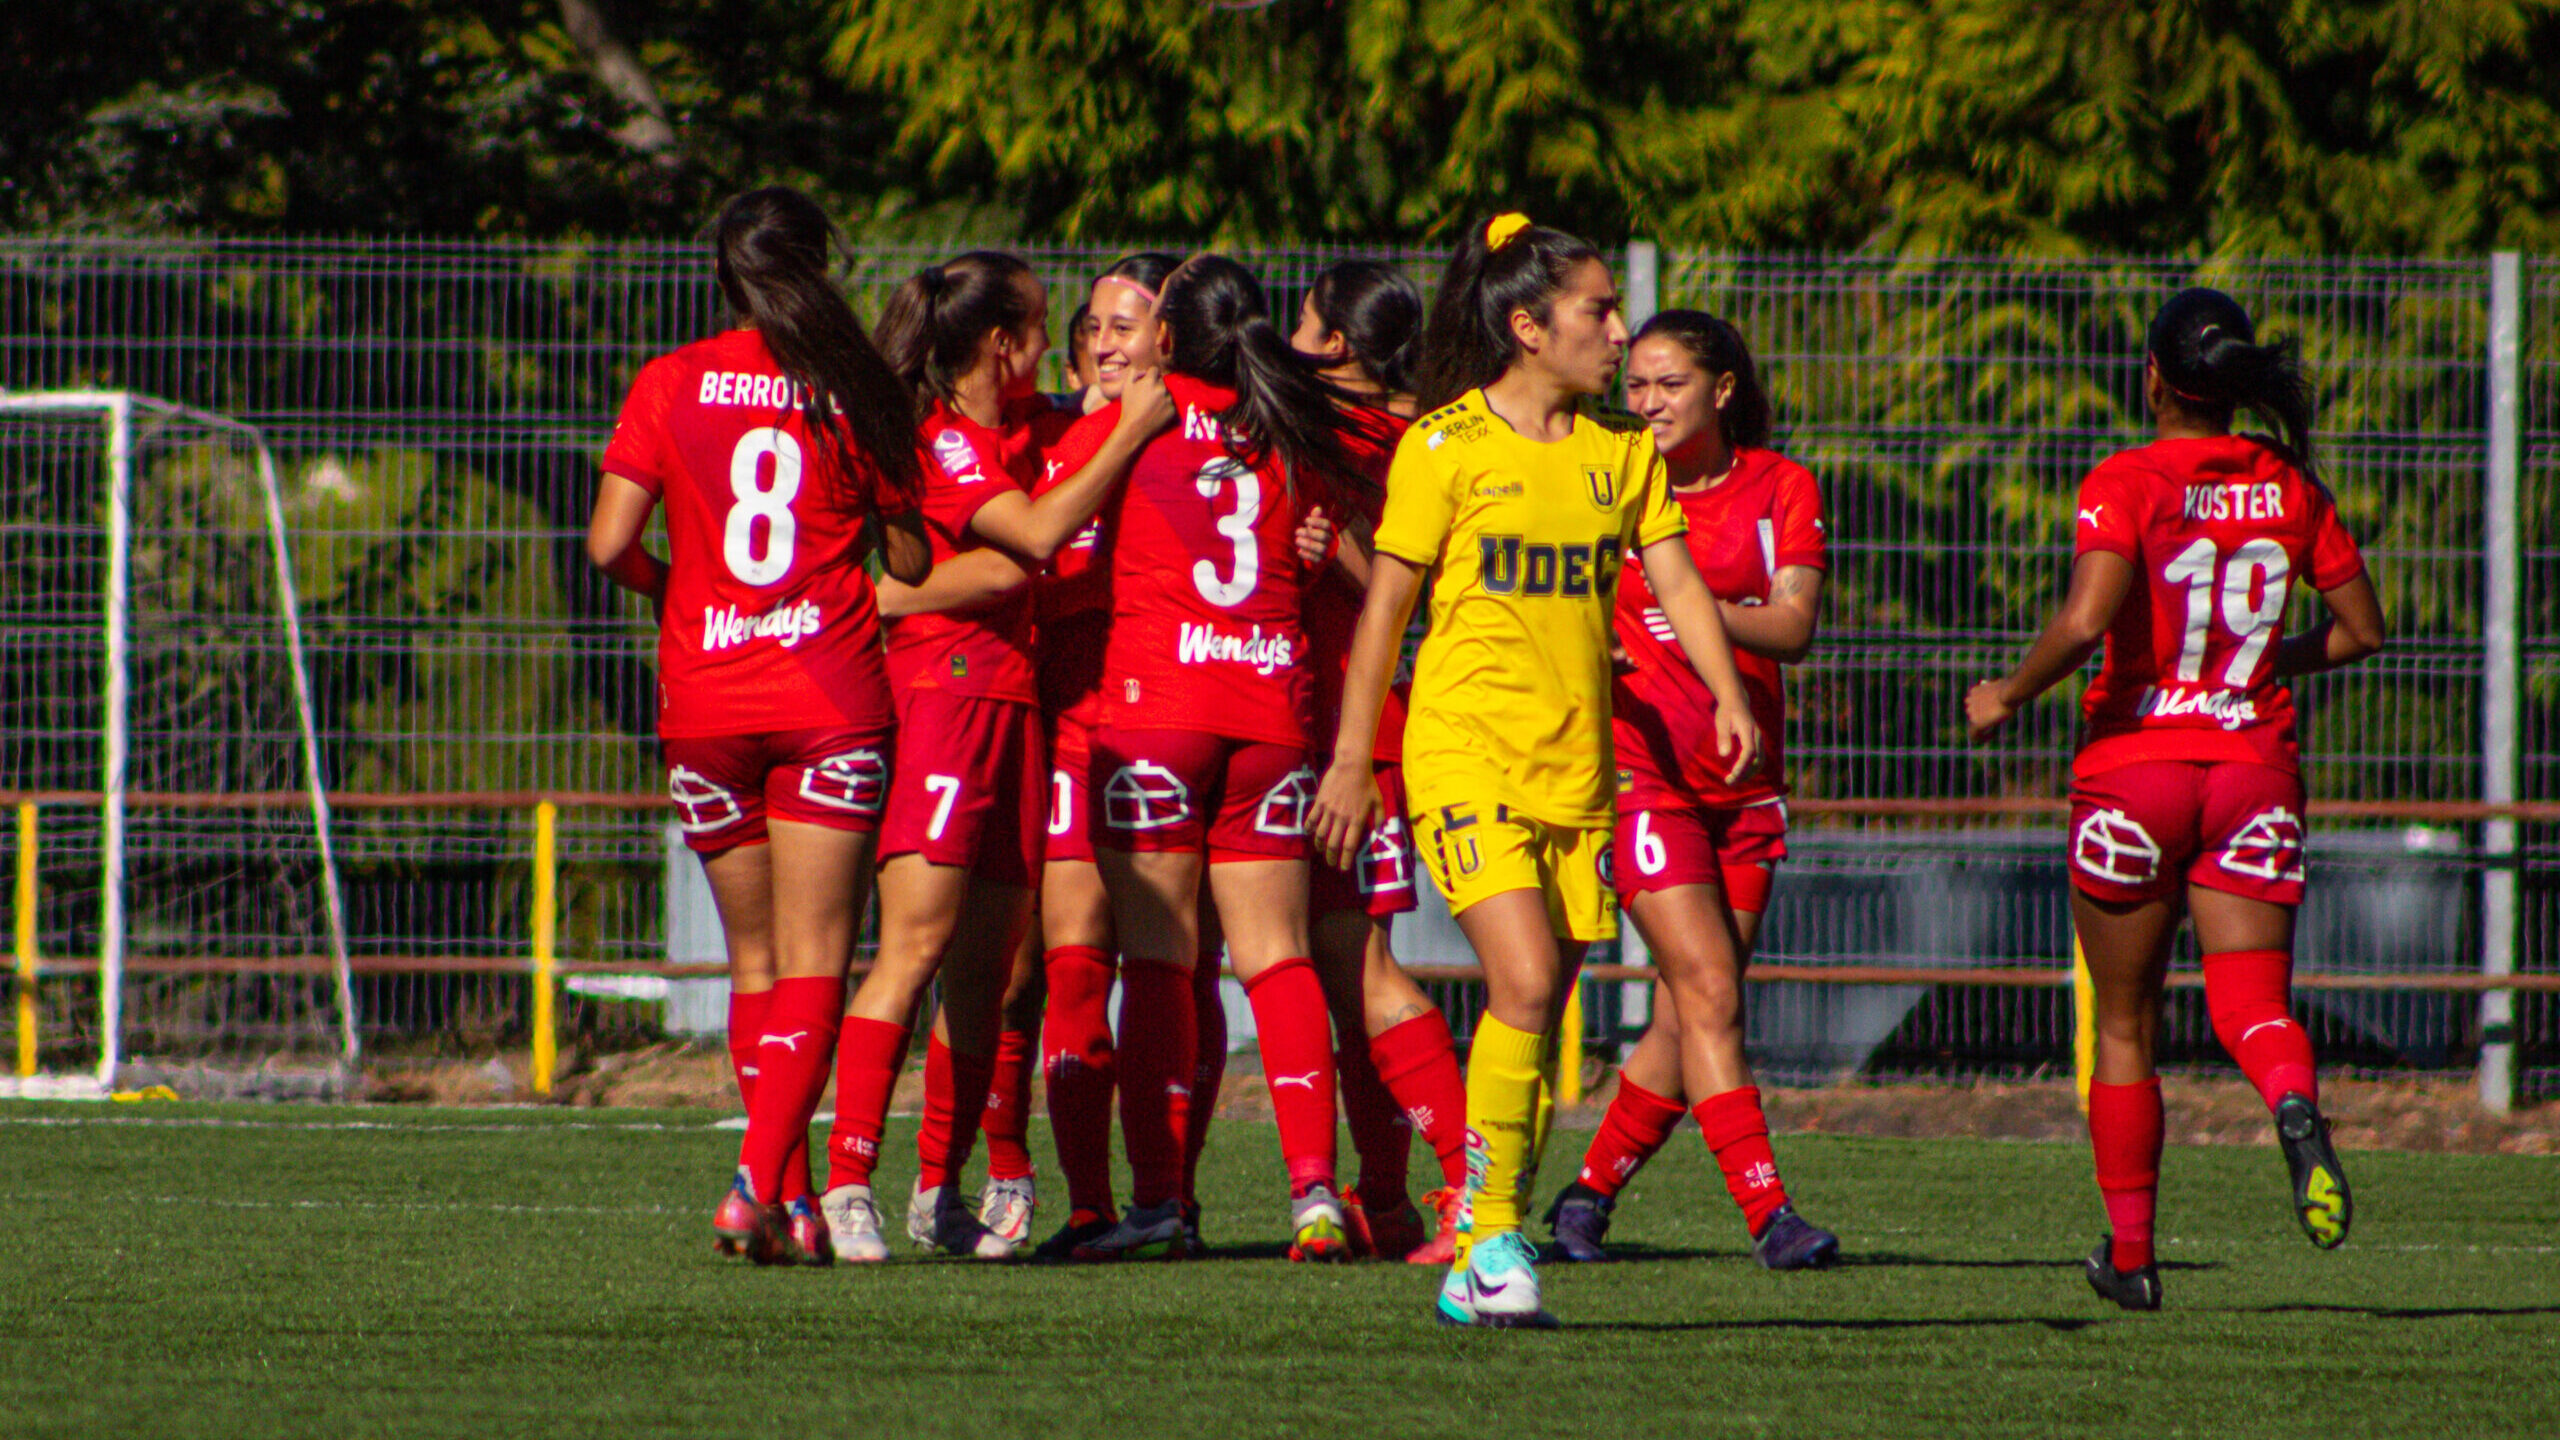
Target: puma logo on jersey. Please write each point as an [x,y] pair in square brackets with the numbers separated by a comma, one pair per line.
[2234,502]
[2090,515]
[723,626]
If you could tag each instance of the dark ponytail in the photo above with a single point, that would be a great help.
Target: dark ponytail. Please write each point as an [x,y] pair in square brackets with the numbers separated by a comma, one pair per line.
[1469,341]
[1149,269]
[771,250]
[932,326]
[1718,349]
[1222,333]
[2208,354]
[1377,310]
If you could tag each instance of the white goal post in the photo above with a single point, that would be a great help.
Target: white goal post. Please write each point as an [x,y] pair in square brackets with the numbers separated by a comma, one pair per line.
[129,421]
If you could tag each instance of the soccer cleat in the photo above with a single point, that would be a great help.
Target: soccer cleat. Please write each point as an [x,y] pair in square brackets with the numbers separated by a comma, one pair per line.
[1390,1234]
[772,1242]
[1192,1244]
[2131,1289]
[1153,1233]
[938,1220]
[2320,1195]
[1005,1208]
[1791,1242]
[734,1223]
[1579,1219]
[1081,1226]
[1442,1248]
[809,1239]
[1497,1287]
[853,1225]
[1315,1220]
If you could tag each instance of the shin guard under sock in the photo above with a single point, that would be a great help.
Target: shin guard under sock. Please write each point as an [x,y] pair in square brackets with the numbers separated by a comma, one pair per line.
[1296,1034]
[1738,1133]
[1078,1061]
[1418,1060]
[1158,1051]
[2125,1129]
[2249,993]
[1638,1124]
[791,1072]
[869,1054]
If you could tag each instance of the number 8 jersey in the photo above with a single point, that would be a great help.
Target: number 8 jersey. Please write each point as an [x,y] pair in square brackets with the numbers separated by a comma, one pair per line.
[2221,532]
[1206,587]
[770,622]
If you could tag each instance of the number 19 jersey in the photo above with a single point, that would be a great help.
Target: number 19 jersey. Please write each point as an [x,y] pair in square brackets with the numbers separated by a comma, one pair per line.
[770,622]
[2219,531]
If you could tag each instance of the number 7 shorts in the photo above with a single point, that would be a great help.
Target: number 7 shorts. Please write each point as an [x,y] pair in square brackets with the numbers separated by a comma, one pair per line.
[1478,850]
[2143,831]
[970,788]
[725,786]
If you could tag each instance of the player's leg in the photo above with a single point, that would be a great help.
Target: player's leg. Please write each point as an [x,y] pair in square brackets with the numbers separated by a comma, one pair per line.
[1380,1134]
[1265,905]
[2126,945]
[1078,1059]
[1417,1060]
[1648,1106]
[1008,1203]
[960,1066]
[741,878]
[1209,1060]
[1524,964]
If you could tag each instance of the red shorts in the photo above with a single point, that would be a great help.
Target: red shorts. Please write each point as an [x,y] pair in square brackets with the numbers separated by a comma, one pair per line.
[1190,790]
[2140,831]
[1380,880]
[723,786]
[967,789]
[1070,837]
[1735,848]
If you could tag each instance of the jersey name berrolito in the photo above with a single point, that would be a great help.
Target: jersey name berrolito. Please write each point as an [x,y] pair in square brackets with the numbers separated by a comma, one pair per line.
[769,621]
[984,650]
[1206,586]
[2221,531]
[1765,515]
[1333,601]
[1527,540]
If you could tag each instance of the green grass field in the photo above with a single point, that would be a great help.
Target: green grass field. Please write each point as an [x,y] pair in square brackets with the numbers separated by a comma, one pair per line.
[230,1271]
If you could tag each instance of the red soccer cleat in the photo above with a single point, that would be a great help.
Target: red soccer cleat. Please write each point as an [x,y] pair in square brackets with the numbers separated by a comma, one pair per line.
[733,1225]
[1442,1247]
[1391,1233]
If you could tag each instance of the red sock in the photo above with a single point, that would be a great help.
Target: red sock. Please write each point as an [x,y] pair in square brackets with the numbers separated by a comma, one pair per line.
[1076,1059]
[1159,1049]
[955,1104]
[1209,1068]
[869,1054]
[1297,1058]
[1380,1133]
[1418,1060]
[2125,1126]
[1007,1122]
[1739,1134]
[792,1050]
[1637,1125]
[746,1026]
[2250,996]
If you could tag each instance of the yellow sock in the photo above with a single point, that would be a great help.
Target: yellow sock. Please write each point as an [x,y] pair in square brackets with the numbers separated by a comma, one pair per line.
[1502,1100]
[1543,1119]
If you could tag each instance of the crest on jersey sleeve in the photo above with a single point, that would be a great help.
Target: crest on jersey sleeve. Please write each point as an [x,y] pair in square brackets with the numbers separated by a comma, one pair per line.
[2268,848]
[1601,483]
[856,780]
[958,458]
[2112,846]
[1283,810]
[702,803]
[1143,795]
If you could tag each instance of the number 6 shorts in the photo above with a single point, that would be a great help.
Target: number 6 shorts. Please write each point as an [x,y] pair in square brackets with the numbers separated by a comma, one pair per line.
[1479,850]
[1664,847]
[970,789]
[2142,831]
[725,786]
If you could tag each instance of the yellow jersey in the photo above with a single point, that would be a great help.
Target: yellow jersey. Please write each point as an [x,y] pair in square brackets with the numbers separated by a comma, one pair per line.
[1511,688]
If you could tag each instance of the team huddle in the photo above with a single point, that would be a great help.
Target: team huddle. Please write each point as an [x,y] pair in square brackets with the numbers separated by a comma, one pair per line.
[1121,702]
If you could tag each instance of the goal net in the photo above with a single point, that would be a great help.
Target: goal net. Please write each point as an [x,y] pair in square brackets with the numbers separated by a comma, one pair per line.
[176,905]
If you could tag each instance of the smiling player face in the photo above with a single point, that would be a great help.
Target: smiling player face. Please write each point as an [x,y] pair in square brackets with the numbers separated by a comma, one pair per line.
[1584,339]
[1124,334]
[1675,395]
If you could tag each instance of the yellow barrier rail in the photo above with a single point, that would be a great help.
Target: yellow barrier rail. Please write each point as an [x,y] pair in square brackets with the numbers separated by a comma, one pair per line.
[546,915]
[30,965]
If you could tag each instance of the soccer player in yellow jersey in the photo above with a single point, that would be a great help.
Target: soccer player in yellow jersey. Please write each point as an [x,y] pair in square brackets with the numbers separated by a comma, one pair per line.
[1522,503]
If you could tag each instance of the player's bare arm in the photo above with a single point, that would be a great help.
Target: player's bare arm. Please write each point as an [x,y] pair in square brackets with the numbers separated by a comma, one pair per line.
[1038,529]
[1691,609]
[613,538]
[2100,580]
[2353,630]
[970,578]
[1782,629]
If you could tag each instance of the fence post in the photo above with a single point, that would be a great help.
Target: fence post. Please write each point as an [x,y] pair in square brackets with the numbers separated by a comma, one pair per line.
[546,890]
[2502,519]
[24,915]
[1644,282]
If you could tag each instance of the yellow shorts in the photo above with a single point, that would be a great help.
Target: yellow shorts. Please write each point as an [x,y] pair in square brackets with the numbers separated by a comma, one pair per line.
[1480,850]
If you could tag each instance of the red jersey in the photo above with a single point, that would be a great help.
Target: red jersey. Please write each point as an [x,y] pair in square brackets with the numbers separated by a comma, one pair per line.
[1764,516]
[2218,530]
[769,622]
[1074,594]
[1207,588]
[1333,602]
[984,650]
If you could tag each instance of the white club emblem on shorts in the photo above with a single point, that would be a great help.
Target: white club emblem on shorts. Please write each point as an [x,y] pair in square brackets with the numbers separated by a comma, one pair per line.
[1606,862]
[1284,806]
[2112,847]
[1143,795]
[856,780]
[1388,865]
[2269,847]
[705,804]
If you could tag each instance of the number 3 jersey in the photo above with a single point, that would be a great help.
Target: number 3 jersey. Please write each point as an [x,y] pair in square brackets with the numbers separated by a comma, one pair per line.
[2220,531]
[1206,587]
[769,622]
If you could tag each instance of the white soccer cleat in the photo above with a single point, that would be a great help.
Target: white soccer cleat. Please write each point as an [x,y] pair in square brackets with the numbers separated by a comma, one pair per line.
[1497,1287]
[1005,1207]
[853,1224]
[937,1220]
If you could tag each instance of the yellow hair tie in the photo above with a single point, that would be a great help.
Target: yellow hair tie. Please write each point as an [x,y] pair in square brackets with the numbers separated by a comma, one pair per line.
[1499,231]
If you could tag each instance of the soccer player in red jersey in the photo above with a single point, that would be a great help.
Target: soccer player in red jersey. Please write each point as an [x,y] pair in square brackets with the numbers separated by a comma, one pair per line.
[1200,764]
[779,449]
[1396,1063]
[1695,851]
[2186,795]
[961,839]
